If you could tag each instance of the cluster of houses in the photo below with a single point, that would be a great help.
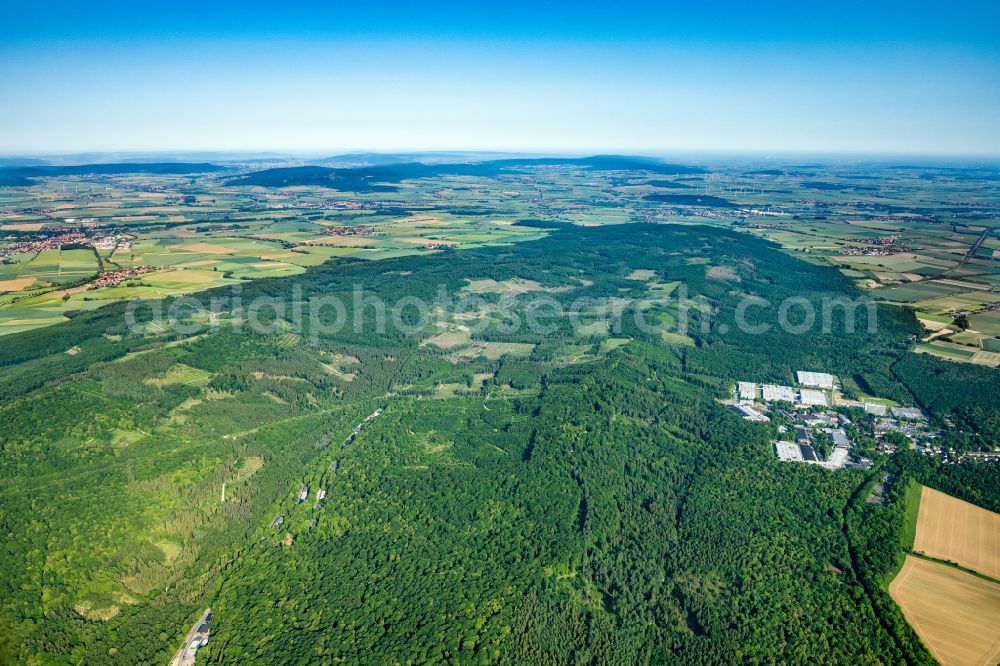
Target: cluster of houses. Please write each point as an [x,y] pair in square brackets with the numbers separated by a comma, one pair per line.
[335,204]
[112,278]
[873,251]
[110,242]
[43,244]
[113,242]
[350,231]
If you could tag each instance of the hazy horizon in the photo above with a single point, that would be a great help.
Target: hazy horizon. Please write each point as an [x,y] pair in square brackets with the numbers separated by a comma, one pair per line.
[312,155]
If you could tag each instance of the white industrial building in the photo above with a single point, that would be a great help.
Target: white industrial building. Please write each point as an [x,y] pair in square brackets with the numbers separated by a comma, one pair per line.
[837,459]
[812,397]
[747,390]
[773,393]
[788,451]
[815,379]
[793,452]
[875,408]
[910,413]
[750,414]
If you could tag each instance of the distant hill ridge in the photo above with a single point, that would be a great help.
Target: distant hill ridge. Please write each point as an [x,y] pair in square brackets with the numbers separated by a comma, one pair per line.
[382,178]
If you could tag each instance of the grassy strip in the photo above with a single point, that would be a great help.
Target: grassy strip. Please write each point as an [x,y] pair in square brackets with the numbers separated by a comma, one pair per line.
[912,501]
[908,534]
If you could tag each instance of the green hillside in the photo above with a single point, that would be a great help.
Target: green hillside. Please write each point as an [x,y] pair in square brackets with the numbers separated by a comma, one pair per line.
[523,497]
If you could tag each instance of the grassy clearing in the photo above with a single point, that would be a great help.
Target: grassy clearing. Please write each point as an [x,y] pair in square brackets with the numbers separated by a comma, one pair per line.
[510,288]
[181,374]
[449,339]
[912,500]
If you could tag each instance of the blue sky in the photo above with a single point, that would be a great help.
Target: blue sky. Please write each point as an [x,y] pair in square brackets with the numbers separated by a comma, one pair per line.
[569,77]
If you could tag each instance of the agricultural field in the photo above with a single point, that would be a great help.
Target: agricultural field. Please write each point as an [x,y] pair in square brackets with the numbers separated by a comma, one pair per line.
[948,587]
[920,237]
[955,531]
[953,612]
[167,236]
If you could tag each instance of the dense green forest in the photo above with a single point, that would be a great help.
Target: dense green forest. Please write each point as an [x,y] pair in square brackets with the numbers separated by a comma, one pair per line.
[572,496]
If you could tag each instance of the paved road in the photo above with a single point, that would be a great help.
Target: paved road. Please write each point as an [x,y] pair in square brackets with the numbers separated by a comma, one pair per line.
[192,641]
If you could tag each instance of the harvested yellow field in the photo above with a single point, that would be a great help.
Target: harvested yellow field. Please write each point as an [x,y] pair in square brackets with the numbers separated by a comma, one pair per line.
[989,359]
[23,226]
[931,325]
[956,531]
[17,284]
[953,612]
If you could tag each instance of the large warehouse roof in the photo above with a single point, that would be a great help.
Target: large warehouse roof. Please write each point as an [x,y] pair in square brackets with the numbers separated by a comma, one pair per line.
[817,379]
